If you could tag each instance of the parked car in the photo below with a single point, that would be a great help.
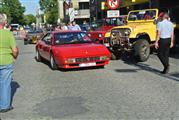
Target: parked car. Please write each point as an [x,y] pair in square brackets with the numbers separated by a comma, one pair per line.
[27,29]
[107,24]
[71,49]
[96,25]
[15,27]
[137,37]
[33,36]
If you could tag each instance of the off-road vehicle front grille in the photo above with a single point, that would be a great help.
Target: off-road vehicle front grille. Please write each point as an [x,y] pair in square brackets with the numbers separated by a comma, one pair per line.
[120,31]
[119,36]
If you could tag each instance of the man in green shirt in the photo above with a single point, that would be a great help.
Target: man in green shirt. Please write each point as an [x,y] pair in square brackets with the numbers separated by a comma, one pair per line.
[8,53]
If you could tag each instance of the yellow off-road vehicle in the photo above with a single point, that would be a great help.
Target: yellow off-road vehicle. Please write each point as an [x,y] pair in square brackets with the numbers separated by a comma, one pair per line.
[137,36]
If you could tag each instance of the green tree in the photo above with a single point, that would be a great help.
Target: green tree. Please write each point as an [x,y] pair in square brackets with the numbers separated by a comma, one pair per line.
[29,19]
[50,8]
[52,16]
[14,10]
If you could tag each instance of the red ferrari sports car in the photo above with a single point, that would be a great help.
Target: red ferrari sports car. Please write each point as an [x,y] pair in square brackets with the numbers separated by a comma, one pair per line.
[71,49]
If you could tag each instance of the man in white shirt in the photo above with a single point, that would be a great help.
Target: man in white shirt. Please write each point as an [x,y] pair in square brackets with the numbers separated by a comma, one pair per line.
[165,41]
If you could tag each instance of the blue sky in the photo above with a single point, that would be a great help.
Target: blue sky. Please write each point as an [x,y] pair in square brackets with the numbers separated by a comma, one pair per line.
[31,6]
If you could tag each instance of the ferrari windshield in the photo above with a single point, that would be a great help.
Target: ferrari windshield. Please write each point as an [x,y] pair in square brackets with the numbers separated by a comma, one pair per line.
[71,38]
[142,15]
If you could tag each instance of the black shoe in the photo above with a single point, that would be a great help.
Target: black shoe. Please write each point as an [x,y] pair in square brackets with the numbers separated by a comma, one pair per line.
[166,70]
[6,110]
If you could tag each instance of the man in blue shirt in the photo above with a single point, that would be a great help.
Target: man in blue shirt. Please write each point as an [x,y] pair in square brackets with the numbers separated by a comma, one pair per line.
[165,41]
[75,26]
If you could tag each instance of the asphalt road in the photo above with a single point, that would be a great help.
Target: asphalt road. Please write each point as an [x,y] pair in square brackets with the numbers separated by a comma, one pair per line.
[122,91]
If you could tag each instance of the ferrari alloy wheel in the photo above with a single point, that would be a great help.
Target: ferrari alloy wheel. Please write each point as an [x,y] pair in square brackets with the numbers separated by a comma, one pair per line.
[38,57]
[53,65]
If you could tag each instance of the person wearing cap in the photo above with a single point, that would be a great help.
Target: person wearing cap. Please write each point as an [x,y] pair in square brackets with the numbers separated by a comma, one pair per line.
[8,54]
[165,41]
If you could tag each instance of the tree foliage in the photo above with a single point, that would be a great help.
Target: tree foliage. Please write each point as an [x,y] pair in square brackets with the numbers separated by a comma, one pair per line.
[14,10]
[29,19]
[50,8]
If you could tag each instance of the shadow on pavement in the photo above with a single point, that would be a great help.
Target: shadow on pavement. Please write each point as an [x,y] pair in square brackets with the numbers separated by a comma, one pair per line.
[127,70]
[80,69]
[175,75]
[142,66]
[14,87]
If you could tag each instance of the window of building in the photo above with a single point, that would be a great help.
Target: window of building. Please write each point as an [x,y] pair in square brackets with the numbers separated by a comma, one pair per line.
[84,5]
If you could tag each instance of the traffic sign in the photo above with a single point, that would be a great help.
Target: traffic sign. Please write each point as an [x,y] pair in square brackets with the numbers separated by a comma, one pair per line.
[113,4]
[113,13]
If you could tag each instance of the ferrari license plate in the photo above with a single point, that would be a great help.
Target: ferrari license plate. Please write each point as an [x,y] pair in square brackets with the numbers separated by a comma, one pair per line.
[87,64]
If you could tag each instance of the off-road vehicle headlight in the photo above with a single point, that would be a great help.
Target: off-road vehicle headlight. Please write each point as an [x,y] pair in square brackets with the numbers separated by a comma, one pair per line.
[114,34]
[127,32]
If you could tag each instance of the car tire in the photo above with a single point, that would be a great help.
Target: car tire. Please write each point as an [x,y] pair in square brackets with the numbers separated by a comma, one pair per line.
[142,50]
[38,56]
[53,64]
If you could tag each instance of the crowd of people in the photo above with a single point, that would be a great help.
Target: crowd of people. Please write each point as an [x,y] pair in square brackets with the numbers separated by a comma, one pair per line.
[72,26]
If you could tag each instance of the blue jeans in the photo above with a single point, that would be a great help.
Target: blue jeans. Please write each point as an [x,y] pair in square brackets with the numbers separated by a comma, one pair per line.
[5,85]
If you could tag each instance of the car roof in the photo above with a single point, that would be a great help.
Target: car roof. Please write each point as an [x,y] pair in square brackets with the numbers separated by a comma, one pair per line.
[65,31]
